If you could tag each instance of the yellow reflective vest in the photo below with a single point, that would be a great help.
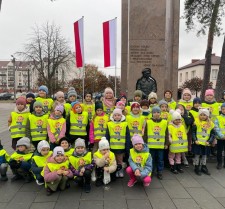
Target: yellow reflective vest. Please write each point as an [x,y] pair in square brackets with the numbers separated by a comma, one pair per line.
[18,125]
[203,130]
[17,156]
[165,115]
[179,139]
[40,160]
[89,108]
[57,166]
[79,162]
[47,104]
[156,134]
[187,105]
[214,109]
[135,124]
[117,132]
[100,126]
[4,156]
[38,127]
[139,159]
[78,123]
[108,110]
[69,152]
[56,126]
[67,107]
[194,114]
[99,155]
[172,105]
[221,121]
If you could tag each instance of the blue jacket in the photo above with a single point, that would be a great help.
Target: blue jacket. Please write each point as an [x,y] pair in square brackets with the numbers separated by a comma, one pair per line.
[148,166]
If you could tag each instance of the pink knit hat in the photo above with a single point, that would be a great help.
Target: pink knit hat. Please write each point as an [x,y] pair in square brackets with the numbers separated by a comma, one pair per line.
[59,108]
[108,89]
[209,92]
[186,91]
[59,94]
[137,139]
[120,103]
[21,100]
[117,111]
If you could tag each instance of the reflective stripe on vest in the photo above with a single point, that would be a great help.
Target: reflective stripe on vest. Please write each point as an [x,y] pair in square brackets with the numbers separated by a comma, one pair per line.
[26,157]
[156,134]
[139,159]
[135,125]
[100,126]
[78,123]
[117,132]
[38,127]
[203,131]
[18,125]
[221,121]
[78,162]
[179,139]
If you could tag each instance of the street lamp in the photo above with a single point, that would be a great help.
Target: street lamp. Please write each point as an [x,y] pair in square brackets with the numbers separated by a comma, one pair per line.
[14,75]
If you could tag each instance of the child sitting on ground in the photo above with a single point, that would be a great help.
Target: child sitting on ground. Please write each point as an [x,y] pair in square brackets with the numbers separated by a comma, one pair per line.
[4,159]
[140,162]
[65,144]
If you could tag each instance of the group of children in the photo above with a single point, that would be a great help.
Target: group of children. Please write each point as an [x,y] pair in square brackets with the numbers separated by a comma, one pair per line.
[61,140]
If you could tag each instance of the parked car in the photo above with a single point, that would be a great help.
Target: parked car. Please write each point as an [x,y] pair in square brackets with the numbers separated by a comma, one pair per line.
[6,96]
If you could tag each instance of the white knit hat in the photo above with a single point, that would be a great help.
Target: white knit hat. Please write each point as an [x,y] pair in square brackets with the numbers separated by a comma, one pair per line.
[152,95]
[42,144]
[79,143]
[57,151]
[175,114]
[23,141]
[103,144]
[204,111]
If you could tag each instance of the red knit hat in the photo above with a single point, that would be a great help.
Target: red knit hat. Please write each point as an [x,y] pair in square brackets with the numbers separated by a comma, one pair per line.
[21,100]
[135,104]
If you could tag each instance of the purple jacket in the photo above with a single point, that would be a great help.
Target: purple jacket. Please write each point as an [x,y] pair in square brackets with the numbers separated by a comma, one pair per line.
[53,176]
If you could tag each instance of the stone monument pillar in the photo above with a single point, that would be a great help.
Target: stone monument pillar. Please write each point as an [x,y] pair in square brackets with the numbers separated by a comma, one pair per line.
[150,38]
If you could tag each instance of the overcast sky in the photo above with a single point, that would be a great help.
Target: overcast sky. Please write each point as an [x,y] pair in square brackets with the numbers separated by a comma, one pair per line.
[18,16]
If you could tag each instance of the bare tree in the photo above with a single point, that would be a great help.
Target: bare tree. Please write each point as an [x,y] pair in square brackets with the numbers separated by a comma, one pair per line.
[48,51]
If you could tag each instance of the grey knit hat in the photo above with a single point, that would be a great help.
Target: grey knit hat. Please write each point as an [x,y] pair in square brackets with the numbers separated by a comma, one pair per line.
[23,141]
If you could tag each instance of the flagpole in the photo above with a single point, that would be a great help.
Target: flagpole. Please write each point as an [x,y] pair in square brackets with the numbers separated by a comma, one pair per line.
[83,62]
[115,52]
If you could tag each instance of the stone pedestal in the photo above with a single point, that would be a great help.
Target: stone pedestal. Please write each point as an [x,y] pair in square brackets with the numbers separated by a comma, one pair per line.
[150,38]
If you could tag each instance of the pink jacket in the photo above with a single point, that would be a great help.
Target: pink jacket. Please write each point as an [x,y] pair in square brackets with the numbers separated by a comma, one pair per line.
[51,135]
[53,176]
[91,131]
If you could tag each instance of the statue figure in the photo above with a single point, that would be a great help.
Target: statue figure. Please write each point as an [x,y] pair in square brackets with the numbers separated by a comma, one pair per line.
[146,83]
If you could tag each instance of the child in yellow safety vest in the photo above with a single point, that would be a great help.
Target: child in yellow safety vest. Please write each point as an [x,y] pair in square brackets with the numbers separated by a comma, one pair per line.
[71,97]
[64,142]
[118,135]
[140,162]
[36,128]
[152,98]
[178,142]
[121,105]
[186,99]
[42,97]
[98,126]
[30,99]
[56,126]
[202,135]
[105,163]
[156,133]
[220,133]
[57,171]
[88,105]
[168,97]
[4,160]
[39,160]
[164,110]
[82,165]
[145,109]
[108,101]
[18,120]
[60,100]
[20,161]
[77,124]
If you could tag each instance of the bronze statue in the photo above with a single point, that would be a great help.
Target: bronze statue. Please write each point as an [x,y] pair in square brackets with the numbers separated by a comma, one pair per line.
[146,83]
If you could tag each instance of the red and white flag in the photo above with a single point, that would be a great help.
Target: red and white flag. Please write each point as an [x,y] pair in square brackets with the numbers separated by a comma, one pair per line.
[79,44]
[109,41]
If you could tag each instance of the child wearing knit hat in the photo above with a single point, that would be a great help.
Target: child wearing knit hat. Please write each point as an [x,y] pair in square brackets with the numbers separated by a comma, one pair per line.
[105,162]
[43,97]
[77,124]
[82,165]
[88,105]
[220,133]
[20,161]
[39,160]
[118,135]
[64,142]
[108,101]
[56,126]
[18,120]
[138,96]
[57,171]
[178,141]
[4,160]
[186,99]
[30,99]
[152,98]
[98,126]
[156,133]
[71,97]
[203,135]
[37,124]
[164,109]
[140,162]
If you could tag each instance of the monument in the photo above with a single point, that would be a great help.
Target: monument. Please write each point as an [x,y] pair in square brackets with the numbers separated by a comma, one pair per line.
[150,39]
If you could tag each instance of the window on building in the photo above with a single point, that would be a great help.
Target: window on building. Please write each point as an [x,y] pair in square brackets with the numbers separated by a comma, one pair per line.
[186,76]
[214,74]
[180,77]
[193,74]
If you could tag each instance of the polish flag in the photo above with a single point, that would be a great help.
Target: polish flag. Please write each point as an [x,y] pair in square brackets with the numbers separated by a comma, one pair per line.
[79,44]
[109,41]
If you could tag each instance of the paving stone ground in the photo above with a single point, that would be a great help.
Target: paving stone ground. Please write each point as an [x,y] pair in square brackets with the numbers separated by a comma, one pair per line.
[175,191]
